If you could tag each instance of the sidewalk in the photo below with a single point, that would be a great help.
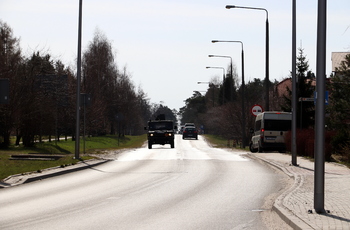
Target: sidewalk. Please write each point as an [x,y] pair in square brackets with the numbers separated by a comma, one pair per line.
[296,205]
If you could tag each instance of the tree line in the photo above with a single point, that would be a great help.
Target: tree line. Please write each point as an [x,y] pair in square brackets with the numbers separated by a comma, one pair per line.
[42,94]
[221,115]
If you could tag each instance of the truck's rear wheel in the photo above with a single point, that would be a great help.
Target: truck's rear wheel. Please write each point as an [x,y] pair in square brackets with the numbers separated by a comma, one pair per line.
[252,149]
[172,145]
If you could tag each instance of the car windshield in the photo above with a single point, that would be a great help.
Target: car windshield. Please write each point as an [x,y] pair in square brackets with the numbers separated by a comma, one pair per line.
[160,125]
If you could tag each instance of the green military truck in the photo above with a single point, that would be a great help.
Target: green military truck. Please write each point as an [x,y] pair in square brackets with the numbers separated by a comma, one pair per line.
[161,132]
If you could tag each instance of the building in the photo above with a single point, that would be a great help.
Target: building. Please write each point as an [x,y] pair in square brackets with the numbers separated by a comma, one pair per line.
[337,58]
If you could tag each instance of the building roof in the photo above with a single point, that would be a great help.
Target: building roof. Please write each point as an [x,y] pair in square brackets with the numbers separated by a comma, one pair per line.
[337,58]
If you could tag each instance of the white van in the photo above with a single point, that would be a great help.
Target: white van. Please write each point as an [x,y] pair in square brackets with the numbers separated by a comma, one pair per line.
[269,131]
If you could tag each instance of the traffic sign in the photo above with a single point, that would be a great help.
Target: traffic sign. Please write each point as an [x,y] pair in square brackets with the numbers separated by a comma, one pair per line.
[326,97]
[306,99]
[256,109]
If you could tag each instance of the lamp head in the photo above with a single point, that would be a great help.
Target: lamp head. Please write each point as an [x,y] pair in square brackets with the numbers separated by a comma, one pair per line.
[230,6]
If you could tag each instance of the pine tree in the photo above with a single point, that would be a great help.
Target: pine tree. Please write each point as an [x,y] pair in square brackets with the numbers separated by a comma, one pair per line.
[339,107]
[305,110]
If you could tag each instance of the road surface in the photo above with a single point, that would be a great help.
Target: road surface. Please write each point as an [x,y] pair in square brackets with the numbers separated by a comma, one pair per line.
[192,186]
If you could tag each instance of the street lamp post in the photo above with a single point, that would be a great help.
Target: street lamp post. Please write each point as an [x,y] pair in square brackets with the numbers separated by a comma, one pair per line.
[231,86]
[223,80]
[267,80]
[294,88]
[77,131]
[243,92]
[319,175]
[210,85]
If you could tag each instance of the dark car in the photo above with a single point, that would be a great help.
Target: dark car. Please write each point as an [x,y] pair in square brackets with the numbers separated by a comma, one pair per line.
[190,132]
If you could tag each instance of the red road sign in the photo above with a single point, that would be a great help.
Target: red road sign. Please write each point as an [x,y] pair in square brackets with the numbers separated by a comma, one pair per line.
[256,109]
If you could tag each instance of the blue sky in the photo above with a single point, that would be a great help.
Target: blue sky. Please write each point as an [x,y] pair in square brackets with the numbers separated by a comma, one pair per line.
[165,44]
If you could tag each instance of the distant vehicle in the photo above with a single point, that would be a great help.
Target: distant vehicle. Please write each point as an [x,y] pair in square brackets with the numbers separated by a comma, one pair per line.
[189,124]
[269,131]
[161,132]
[190,132]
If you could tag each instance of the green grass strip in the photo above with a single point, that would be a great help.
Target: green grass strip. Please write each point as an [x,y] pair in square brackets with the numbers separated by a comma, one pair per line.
[93,145]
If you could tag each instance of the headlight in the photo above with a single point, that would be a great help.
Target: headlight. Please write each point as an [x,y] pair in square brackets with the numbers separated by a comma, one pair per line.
[151,134]
[168,134]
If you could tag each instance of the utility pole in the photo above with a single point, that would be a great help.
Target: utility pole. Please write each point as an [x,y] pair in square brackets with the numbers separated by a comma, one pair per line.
[294,88]
[77,131]
[320,107]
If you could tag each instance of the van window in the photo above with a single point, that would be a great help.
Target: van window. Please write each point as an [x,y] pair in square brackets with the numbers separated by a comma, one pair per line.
[258,125]
[278,125]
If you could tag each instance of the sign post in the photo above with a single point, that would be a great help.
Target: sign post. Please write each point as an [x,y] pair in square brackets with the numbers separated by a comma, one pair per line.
[85,100]
[319,176]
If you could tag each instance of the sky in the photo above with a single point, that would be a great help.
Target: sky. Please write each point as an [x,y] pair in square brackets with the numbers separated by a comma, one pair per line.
[164,44]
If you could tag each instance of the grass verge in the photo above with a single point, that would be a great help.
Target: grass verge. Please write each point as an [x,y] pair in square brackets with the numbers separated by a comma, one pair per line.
[220,142]
[64,148]
[216,141]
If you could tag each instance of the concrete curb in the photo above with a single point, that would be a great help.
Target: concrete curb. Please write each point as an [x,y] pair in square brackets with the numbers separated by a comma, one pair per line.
[287,215]
[19,179]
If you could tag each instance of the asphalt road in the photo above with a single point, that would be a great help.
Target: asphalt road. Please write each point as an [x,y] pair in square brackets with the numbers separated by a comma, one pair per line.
[192,186]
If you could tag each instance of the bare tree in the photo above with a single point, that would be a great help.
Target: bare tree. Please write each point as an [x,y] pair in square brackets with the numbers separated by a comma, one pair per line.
[10,61]
[116,106]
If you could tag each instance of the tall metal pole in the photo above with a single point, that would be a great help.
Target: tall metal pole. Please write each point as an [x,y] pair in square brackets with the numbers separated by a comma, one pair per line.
[243,107]
[231,87]
[223,81]
[267,57]
[223,86]
[77,131]
[243,93]
[294,87]
[320,107]
[267,74]
[84,104]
